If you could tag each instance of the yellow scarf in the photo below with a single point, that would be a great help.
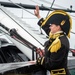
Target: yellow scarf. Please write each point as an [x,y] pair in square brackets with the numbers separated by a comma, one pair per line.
[55,35]
[56,44]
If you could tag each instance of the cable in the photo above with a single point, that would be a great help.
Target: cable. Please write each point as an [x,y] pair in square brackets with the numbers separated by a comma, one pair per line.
[40,27]
[51,3]
[21,7]
[42,5]
[25,44]
[23,28]
[27,11]
[72,32]
[32,13]
[35,2]
[47,13]
[50,8]
[2,34]
[13,34]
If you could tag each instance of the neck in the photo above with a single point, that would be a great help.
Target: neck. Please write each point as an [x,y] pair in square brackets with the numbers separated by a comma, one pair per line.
[58,32]
[54,35]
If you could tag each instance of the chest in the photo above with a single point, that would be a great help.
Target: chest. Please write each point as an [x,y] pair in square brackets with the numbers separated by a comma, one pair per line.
[47,45]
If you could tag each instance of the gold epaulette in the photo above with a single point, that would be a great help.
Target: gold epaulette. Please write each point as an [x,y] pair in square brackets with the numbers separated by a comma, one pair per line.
[55,46]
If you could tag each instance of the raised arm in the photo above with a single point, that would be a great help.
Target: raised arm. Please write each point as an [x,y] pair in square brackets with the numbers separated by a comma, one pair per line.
[41,20]
[36,12]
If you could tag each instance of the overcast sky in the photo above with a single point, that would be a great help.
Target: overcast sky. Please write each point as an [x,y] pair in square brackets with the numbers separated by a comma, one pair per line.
[32,20]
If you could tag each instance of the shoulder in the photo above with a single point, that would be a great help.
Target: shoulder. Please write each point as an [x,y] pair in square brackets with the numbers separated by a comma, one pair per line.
[64,40]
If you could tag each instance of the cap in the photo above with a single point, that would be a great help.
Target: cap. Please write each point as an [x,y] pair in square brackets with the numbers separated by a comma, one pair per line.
[60,17]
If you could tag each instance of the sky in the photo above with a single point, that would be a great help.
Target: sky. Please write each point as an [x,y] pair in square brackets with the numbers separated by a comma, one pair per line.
[32,20]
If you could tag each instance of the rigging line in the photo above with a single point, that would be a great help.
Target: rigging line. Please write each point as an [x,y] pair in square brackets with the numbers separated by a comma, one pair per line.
[28,18]
[2,34]
[17,40]
[35,2]
[27,11]
[39,4]
[72,15]
[42,6]
[48,12]
[9,35]
[72,32]
[45,6]
[23,28]
[21,7]
[51,3]
[50,8]
[40,27]
[55,5]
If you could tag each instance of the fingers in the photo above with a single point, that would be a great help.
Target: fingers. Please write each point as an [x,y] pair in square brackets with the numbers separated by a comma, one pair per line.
[36,11]
[32,62]
[37,8]
[40,52]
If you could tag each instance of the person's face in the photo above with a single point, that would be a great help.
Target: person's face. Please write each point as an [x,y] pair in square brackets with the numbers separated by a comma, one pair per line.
[54,28]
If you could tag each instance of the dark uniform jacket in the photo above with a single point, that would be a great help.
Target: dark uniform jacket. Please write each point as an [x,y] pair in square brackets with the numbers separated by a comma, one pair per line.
[56,53]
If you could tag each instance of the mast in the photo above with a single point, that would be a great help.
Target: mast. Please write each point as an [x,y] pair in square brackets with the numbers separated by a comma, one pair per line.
[11,5]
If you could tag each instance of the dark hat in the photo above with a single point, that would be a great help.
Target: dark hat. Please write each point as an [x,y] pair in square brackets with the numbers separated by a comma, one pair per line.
[61,18]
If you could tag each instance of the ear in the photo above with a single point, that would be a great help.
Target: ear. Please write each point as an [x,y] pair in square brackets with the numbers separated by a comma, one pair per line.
[59,28]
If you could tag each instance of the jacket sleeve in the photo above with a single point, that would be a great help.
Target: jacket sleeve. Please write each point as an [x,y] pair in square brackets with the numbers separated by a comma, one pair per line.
[44,27]
[55,59]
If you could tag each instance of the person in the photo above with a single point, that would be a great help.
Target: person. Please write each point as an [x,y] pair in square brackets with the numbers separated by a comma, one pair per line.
[57,26]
